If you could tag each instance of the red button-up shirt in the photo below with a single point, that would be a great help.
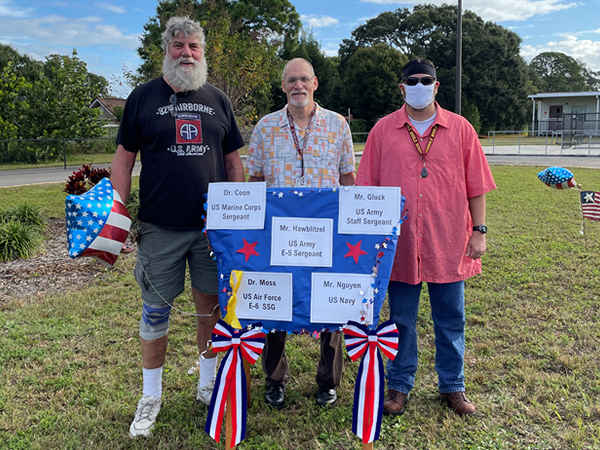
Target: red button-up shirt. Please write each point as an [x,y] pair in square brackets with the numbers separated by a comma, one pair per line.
[433,239]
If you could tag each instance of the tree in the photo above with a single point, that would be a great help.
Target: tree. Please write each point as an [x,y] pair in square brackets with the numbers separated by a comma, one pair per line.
[494,74]
[557,72]
[22,65]
[13,104]
[273,20]
[592,79]
[241,66]
[242,40]
[95,83]
[56,106]
[371,81]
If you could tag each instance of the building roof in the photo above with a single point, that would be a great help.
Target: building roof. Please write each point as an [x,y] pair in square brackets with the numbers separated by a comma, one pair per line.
[109,103]
[563,94]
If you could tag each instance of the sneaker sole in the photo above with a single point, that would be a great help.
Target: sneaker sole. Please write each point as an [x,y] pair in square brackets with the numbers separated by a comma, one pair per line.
[133,436]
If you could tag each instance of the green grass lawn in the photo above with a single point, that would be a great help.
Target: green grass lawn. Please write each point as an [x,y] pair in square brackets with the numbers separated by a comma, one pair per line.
[70,371]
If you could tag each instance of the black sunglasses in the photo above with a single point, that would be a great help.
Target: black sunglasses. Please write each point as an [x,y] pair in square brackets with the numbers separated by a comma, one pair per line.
[173,101]
[413,81]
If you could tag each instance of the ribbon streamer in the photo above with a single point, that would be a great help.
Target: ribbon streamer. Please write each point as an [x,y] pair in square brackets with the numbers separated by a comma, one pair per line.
[231,378]
[369,388]
[234,281]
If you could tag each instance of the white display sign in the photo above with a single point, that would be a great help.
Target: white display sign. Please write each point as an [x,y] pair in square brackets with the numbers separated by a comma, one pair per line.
[338,298]
[369,210]
[236,206]
[265,296]
[301,241]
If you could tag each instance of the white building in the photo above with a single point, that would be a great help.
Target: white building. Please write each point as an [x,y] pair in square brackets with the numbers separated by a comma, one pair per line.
[576,112]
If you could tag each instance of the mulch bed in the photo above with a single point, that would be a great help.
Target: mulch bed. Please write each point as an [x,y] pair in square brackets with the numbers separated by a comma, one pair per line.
[50,271]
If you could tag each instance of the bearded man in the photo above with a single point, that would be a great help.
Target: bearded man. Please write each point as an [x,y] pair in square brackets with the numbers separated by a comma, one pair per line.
[185,131]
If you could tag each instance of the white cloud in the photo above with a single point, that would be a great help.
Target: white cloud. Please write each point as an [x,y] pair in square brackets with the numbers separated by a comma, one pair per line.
[58,30]
[579,33]
[318,21]
[110,7]
[9,10]
[499,10]
[586,50]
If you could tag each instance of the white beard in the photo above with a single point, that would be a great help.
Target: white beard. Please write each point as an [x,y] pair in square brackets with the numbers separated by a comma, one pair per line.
[185,78]
[299,104]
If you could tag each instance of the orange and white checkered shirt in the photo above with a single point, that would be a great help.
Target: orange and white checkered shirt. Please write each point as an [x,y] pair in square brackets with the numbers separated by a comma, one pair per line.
[329,152]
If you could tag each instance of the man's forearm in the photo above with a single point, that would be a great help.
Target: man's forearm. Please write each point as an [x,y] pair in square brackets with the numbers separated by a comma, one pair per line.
[234,169]
[477,208]
[120,172]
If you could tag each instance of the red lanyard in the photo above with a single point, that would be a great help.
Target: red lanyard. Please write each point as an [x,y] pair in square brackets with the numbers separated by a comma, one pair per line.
[306,133]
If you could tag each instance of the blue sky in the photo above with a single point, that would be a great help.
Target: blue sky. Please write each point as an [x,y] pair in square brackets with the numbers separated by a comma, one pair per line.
[106,33]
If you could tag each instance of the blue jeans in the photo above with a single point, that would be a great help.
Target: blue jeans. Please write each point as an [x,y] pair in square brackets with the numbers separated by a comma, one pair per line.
[448,313]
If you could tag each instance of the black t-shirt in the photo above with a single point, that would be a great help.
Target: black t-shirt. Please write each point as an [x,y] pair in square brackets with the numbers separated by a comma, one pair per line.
[180,155]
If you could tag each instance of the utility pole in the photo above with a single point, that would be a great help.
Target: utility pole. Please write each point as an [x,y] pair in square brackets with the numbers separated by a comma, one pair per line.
[458,59]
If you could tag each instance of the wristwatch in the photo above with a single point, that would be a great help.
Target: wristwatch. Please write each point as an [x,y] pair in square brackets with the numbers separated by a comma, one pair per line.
[481,228]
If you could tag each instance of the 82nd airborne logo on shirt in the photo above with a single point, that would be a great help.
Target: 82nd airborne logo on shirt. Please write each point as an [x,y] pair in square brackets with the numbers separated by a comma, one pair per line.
[189,128]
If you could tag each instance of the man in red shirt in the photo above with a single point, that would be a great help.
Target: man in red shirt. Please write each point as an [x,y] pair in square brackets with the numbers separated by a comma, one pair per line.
[437,160]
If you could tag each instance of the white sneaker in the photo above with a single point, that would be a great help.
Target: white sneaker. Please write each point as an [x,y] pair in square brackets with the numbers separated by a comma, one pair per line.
[145,416]
[205,392]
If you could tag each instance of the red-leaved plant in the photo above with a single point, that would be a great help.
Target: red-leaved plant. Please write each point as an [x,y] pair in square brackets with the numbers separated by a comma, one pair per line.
[84,179]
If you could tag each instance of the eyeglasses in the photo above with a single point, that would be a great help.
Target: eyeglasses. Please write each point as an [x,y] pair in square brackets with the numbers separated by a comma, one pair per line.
[413,81]
[173,101]
[304,80]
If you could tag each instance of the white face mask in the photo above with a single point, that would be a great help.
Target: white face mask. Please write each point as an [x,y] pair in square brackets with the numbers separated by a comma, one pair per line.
[419,96]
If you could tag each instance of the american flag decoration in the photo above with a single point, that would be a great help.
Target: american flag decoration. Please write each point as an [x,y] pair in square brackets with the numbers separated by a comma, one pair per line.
[590,205]
[97,223]
[557,177]
[370,386]
[231,378]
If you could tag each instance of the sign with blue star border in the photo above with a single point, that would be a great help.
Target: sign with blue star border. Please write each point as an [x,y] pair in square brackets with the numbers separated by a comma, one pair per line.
[306,269]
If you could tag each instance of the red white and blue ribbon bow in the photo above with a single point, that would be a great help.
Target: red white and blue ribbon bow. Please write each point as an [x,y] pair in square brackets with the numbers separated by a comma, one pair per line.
[370,387]
[231,378]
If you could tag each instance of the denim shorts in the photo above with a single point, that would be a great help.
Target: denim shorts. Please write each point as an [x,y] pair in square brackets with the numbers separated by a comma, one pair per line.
[160,271]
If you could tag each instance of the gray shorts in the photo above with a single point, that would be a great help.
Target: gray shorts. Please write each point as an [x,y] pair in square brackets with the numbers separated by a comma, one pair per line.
[160,272]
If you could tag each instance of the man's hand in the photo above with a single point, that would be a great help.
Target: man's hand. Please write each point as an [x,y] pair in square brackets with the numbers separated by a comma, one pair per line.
[348,179]
[476,246]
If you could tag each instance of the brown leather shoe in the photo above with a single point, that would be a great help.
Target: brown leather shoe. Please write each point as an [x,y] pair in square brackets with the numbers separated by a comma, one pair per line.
[459,403]
[393,405]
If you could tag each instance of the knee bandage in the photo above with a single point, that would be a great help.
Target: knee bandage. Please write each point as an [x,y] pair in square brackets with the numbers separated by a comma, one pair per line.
[155,322]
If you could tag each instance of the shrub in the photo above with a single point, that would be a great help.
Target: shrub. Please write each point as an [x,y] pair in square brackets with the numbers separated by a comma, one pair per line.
[84,179]
[17,240]
[27,214]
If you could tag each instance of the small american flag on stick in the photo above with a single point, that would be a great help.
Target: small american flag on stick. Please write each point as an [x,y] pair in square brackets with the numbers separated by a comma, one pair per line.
[590,205]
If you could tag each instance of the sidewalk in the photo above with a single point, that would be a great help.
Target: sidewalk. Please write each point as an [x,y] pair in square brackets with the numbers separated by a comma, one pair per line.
[531,155]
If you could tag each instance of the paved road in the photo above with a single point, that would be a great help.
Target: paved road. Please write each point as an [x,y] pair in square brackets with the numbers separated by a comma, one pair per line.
[535,157]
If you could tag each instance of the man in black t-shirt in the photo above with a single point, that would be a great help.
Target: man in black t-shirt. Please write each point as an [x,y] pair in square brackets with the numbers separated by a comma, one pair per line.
[187,136]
